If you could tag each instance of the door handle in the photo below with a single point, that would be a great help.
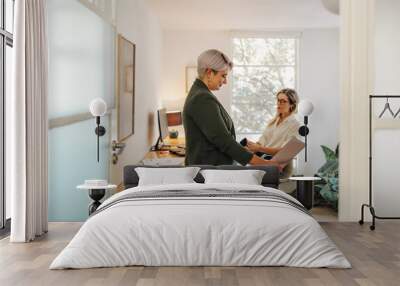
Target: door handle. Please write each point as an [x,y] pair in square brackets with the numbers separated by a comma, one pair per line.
[117,146]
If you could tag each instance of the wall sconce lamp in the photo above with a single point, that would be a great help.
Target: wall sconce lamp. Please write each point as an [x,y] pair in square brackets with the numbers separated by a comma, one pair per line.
[98,107]
[174,118]
[305,108]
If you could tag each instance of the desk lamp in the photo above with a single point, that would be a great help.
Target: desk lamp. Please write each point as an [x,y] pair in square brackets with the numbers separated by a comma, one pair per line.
[174,118]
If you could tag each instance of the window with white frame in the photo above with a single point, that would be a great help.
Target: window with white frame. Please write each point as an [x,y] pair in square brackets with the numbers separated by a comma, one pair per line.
[262,66]
[6,63]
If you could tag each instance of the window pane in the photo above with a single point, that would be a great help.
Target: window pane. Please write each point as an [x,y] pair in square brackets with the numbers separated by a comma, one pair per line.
[253,100]
[1,15]
[259,51]
[9,15]
[8,69]
[1,136]
[262,66]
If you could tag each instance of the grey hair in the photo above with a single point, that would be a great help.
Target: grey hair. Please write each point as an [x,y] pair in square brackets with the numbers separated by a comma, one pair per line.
[212,59]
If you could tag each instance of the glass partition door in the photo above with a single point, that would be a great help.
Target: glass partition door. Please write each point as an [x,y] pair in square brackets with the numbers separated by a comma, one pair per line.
[81,68]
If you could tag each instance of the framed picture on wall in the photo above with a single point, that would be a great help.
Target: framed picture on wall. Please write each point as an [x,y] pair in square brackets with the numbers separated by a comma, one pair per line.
[191,75]
[126,88]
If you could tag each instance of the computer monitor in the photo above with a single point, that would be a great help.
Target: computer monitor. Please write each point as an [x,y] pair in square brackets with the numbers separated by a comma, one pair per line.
[162,128]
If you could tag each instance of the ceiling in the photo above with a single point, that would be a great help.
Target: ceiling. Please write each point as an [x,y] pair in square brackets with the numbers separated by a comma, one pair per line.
[242,14]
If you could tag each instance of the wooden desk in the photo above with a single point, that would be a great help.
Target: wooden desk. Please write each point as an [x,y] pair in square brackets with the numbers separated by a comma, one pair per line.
[161,154]
[175,142]
[166,154]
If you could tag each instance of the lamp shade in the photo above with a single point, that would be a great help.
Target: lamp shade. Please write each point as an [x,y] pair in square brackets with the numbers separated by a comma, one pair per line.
[306,107]
[98,107]
[332,6]
[174,118]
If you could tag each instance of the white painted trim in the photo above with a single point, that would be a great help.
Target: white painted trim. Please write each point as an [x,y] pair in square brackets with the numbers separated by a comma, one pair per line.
[265,34]
[72,119]
[356,71]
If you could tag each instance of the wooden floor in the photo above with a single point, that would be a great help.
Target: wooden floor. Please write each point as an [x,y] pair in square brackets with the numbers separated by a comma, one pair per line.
[324,214]
[375,256]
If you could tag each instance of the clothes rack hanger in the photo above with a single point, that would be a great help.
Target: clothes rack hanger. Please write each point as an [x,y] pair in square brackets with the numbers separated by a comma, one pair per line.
[387,107]
[397,113]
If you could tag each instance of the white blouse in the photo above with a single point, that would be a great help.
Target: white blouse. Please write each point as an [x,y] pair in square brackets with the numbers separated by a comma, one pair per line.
[276,136]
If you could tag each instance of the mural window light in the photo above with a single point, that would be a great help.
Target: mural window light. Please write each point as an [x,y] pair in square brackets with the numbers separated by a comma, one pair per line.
[262,66]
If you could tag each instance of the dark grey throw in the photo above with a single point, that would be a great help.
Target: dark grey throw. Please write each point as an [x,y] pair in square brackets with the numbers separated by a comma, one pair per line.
[205,194]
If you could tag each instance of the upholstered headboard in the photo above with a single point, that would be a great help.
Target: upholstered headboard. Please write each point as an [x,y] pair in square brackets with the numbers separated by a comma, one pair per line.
[270,179]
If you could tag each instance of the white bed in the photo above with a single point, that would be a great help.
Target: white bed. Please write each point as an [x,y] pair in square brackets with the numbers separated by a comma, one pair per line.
[189,231]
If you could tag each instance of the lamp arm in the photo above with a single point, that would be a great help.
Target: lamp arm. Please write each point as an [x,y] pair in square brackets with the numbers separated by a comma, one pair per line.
[98,137]
[305,138]
[303,131]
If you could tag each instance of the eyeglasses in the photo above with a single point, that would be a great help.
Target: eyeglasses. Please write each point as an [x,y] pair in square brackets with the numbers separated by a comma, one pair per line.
[224,58]
[281,101]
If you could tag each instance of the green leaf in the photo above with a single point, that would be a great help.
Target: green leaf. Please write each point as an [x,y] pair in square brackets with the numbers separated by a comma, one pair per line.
[329,195]
[330,168]
[333,183]
[337,151]
[329,153]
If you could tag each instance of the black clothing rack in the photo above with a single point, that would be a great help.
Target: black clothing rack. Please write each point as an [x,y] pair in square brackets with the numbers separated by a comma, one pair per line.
[370,205]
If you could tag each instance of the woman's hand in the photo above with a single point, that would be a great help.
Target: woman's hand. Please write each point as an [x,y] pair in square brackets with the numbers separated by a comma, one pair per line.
[259,161]
[275,163]
[254,147]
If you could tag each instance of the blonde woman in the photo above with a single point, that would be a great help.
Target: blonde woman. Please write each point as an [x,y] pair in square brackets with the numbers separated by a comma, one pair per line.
[209,130]
[281,128]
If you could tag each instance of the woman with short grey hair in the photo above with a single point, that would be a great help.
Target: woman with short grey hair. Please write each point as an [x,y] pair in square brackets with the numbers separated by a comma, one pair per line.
[214,60]
[209,130]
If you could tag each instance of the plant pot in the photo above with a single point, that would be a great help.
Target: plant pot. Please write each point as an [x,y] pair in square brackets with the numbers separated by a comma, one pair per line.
[173,134]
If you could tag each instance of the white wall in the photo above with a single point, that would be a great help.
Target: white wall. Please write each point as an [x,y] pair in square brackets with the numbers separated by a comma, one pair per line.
[386,155]
[181,49]
[387,44]
[137,23]
[318,81]
[243,15]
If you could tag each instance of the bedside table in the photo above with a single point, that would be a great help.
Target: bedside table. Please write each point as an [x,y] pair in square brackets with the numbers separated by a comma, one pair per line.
[305,190]
[96,193]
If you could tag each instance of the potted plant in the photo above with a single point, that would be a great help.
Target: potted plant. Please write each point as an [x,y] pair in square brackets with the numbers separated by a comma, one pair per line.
[327,190]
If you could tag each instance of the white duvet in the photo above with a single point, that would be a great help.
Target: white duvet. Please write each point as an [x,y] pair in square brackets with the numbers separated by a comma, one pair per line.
[194,231]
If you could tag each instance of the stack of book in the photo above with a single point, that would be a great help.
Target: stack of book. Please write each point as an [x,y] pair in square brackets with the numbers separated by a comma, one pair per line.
[96,183]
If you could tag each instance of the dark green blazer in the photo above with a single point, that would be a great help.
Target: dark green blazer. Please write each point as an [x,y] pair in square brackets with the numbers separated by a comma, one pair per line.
[210,134]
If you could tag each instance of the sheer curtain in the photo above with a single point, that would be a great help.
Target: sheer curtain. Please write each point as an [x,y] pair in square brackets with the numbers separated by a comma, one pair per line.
[28,117]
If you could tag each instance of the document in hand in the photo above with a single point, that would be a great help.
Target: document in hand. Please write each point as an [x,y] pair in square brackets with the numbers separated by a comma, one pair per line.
[289,151]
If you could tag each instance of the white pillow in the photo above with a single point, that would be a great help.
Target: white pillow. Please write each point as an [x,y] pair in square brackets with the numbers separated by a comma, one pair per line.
[164,176]
[248,177]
